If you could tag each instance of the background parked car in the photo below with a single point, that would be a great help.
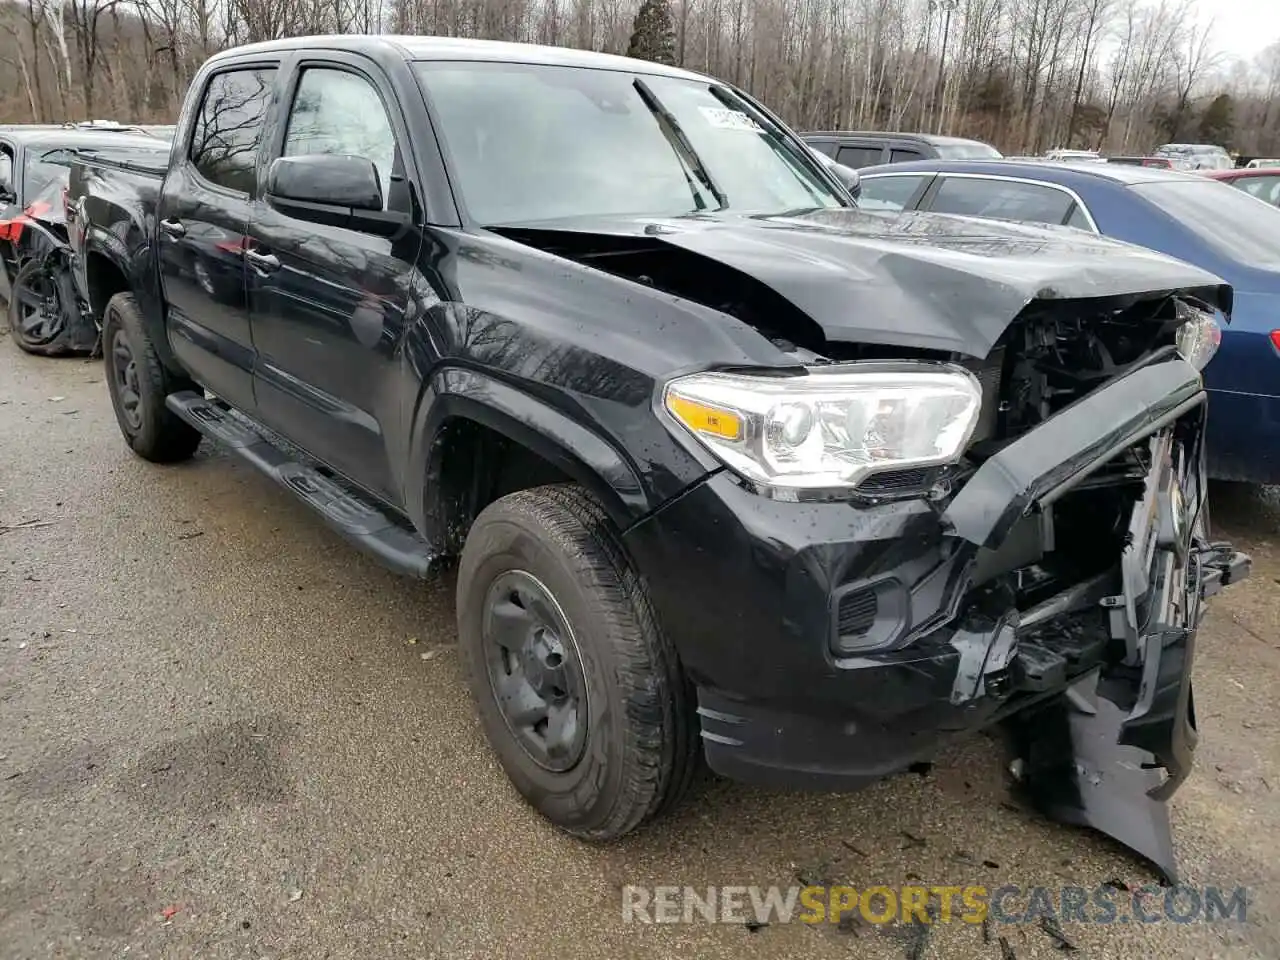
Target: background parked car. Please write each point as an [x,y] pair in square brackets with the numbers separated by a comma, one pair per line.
[1196,156]
[1260,182]
[866,148]
[1185,215]
[1074,156]
[33,155]
[1163,163]
[1261,163]
[45,314]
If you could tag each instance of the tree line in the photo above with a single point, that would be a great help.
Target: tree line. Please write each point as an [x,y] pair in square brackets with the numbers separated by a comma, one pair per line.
[1025,75]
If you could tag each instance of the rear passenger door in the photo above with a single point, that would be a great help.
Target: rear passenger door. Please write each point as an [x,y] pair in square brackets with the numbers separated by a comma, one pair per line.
[328,303]
[203,211]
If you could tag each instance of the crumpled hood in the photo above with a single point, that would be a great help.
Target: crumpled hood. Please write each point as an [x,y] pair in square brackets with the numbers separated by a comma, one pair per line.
[916,279]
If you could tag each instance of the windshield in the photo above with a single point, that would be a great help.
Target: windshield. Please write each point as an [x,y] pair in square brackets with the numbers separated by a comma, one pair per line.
[972,150]
[533,142]
[1240,227]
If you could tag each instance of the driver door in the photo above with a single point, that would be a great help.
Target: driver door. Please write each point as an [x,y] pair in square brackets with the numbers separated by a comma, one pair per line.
[328,303]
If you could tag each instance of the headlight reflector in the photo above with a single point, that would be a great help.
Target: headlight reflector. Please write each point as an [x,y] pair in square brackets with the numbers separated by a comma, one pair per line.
[1199,335]
[828,429]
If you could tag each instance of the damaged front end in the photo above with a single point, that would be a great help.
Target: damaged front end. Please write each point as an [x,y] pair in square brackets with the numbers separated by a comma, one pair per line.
[1090,645]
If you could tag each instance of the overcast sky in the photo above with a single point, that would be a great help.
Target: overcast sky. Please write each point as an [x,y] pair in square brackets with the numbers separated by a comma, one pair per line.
[1242,28]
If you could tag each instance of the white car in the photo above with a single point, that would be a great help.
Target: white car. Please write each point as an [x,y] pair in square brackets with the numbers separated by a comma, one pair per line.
[1074,156]
[1197,156]
[1260,163]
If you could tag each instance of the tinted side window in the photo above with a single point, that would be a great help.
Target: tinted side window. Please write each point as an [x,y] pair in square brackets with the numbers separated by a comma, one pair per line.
[823,146]
[339,112]
[859,156]
[902,155]
[1078,219]
[224,144]
[1001,200]
[6,172]
[888,193]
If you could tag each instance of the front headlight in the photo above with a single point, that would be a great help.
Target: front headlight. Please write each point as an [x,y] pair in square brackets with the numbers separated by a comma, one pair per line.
[1199,335]
[828,429]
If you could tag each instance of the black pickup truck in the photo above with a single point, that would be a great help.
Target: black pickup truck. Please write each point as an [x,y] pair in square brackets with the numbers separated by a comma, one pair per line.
[729,468]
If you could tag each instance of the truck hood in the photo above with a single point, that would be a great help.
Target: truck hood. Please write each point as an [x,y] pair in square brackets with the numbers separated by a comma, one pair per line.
[915,279]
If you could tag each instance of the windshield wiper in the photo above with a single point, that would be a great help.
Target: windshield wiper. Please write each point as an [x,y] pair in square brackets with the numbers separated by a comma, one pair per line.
[670,127]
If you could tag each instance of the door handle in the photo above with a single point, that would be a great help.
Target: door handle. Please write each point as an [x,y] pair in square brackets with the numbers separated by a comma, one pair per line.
[173,228]
[265,262]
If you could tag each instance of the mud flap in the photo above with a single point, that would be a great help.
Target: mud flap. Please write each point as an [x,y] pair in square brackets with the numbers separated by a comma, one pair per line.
[1077,771]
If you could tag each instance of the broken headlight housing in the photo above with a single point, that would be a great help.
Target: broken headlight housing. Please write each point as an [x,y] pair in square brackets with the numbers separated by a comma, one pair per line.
[1198,336]
[822,433]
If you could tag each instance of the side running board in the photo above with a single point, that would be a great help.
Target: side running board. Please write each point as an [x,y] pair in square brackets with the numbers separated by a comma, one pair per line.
[348,512]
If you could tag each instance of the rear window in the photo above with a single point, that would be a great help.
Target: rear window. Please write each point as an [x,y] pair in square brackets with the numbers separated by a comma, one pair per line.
[1237,225]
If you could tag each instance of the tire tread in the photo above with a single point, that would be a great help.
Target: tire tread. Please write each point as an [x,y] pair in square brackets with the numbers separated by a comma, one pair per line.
[164,437]
[661,746]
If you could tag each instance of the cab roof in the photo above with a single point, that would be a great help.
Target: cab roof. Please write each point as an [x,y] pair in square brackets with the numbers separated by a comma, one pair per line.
[457,48]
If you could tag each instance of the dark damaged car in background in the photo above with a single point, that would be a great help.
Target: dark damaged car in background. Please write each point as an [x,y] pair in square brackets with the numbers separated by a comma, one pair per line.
[45,315]
[729,468]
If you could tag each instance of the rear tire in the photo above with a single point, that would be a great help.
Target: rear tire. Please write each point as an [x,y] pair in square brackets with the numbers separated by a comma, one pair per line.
[552,552]
[138,383]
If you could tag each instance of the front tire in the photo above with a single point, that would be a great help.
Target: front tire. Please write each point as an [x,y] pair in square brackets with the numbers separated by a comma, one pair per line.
[37,315]
[579,694]
[138,383]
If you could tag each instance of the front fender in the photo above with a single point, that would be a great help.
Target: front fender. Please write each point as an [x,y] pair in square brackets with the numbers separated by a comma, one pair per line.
[579,452]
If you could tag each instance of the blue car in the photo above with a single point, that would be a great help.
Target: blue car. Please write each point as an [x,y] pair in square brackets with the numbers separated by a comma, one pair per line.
[1184,215]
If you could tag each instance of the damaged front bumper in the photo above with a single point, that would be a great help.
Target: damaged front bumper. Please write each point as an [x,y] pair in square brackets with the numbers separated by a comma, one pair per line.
[755,594]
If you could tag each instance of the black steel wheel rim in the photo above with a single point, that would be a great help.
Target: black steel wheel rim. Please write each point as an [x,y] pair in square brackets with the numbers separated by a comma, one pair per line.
[124,371]
[39,311]
[535,671]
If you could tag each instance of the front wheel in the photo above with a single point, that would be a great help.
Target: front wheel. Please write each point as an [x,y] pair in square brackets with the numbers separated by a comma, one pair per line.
[579,694]
[37,311]
[138,384]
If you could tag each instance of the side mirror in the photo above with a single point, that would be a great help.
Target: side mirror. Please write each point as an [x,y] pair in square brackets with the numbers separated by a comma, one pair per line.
[328,178]
[846,175]
[849,177]
[334,189]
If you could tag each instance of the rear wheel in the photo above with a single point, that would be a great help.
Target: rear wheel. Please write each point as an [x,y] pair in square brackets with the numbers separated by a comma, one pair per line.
[580,695]
[138,384]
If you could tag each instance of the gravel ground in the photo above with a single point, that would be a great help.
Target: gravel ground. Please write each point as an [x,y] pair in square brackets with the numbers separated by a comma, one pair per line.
[226,734]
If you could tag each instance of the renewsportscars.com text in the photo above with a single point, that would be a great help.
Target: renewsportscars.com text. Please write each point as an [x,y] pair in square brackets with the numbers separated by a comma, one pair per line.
[971,903]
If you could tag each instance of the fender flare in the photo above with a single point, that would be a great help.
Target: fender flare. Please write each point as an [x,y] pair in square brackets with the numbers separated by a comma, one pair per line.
[468,394]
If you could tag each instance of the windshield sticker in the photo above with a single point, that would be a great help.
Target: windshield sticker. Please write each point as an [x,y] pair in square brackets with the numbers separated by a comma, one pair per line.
[726,119]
